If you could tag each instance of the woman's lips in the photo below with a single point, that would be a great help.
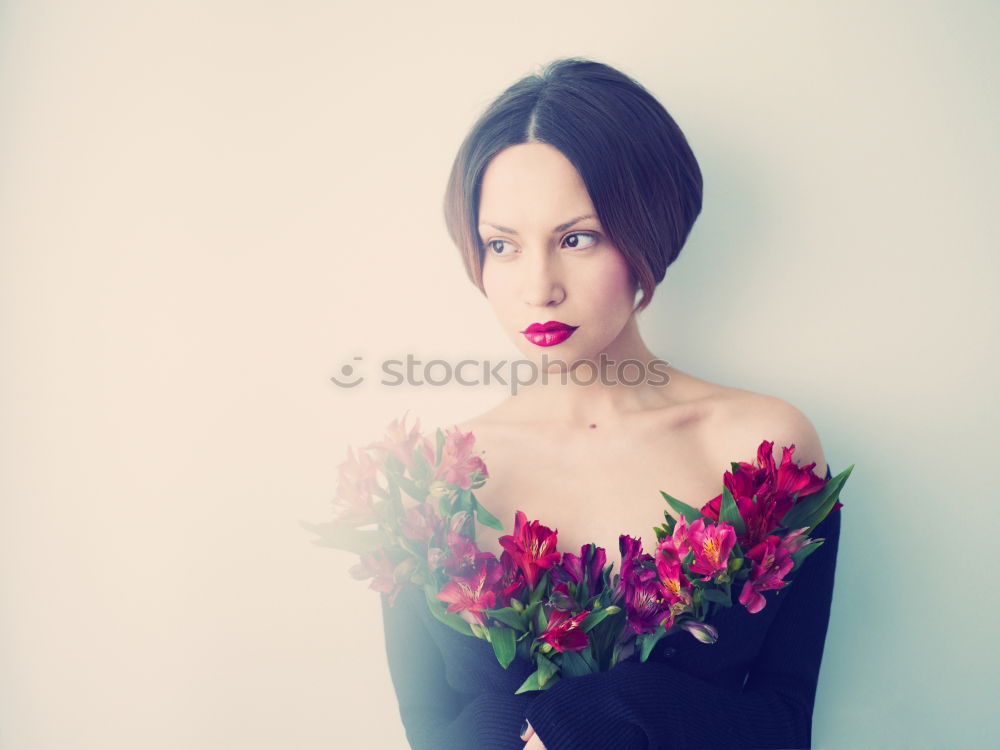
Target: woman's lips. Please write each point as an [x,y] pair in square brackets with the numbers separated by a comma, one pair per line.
[548,334]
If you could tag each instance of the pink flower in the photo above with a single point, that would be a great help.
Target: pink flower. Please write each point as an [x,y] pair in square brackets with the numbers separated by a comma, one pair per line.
[465,557]
[474,593]
[587,568]
[765,493]
[671,575]
[564,633]
[399,441]
[459,466]
[532,546]
[712,545]
[355,487]
[420,523]
[772,560]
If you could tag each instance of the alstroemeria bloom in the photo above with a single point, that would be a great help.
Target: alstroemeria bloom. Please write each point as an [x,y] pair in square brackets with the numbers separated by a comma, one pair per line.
[511,581]
[588,567]
[712,545]
[647,605]
[671,574]
[636,566]
[772,560]
[355,487]
[399,441]
[532,546]
[561,599]
[421,522]
[473,593]
[459,466]
[465,556]
[774,488]
[564,633]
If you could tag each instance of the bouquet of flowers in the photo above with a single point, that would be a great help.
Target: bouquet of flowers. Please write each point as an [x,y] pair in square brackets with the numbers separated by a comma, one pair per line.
[406,505]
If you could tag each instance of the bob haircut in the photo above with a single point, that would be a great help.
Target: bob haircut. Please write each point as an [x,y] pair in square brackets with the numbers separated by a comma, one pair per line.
[641,175]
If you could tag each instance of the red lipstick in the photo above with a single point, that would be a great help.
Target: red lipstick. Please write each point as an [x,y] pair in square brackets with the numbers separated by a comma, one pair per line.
[548,334]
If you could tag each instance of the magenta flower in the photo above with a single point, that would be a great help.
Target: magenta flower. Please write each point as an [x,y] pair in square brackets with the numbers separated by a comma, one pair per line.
[647,605]
[532,546]
[635,566]
[773,487]
[587,567]
[473,593]
[564,633]
[465,557]
[561,599]
[712,545]
[511,582]
[772,560]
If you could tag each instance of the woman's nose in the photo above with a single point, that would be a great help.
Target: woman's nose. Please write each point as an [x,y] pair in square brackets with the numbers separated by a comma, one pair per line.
[541,284]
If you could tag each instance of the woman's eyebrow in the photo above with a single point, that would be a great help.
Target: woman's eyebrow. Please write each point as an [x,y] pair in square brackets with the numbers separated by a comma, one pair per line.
[560,228]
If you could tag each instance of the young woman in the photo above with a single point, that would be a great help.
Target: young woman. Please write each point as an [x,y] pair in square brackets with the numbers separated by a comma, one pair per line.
[569,198]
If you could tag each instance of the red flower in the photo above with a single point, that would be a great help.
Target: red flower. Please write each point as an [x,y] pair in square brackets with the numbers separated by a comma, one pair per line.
[474,593]
[532,546]
[772,560]
[564,633]
[775,489]
[511,581]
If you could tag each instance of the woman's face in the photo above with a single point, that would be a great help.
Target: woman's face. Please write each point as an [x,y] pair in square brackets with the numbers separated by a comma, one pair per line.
[546,257]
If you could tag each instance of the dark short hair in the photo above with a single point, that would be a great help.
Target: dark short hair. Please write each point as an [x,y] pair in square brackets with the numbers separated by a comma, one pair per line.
[635,162]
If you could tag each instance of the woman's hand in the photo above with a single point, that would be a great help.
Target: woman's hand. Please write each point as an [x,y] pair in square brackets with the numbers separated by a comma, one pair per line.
[533,742]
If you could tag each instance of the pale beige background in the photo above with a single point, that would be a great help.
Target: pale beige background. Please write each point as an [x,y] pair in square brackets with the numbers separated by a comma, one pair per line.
[206,208]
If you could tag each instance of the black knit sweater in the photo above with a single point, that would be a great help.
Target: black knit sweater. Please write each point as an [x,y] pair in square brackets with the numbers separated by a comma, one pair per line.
[753,688]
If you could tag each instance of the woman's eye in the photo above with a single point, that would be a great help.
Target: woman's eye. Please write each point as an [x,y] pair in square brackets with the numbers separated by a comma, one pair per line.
[573,240]
[496,246]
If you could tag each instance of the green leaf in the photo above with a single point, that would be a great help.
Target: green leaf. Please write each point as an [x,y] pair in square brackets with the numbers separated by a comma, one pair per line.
[411,488]
[504,644]
[646,641]
[812,509]
[529,684]
[594,618]
[450,619]
[730,512]
[799,557]
[485,517]
[714,595]
[690,514]
[508,616]
[345,538]
[546,670]
[572,664]
[439,443]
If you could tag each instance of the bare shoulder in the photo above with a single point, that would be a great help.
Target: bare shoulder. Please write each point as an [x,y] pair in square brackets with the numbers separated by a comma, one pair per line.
[742,419]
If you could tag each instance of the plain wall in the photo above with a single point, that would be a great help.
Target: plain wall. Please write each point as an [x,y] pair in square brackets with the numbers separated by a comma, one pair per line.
[208,208]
